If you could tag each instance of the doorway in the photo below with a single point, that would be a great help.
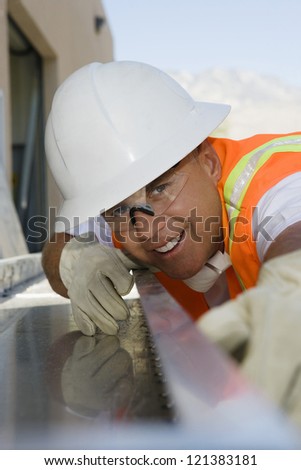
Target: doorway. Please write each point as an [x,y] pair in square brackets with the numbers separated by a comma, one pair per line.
[29,166]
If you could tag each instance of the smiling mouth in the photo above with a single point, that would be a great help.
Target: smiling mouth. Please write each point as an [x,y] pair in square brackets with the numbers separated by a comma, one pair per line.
[170,245]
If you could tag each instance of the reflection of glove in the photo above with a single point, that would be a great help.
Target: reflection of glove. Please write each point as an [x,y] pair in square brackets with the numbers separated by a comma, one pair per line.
[268,319]
[98,377]
[96,277]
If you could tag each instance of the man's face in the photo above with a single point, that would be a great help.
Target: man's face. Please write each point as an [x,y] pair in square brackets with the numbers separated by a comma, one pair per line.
[185,229]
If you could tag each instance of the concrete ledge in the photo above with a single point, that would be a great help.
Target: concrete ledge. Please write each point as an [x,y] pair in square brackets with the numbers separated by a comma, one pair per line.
[18,269]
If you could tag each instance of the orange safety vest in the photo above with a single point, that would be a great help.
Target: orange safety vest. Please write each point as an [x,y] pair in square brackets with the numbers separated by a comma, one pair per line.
[250,167]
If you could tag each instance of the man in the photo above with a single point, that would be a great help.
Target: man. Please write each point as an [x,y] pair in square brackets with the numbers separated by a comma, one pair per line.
[125,141]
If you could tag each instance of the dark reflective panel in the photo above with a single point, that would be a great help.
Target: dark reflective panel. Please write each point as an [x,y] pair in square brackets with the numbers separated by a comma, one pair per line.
[62,390]
[52,375]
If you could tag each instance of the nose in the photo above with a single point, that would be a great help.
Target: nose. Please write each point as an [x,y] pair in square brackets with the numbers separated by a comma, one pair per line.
[148,228]
[145,208]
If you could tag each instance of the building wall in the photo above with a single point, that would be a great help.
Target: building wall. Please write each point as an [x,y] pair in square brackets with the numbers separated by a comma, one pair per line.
[4,86]
[66,36]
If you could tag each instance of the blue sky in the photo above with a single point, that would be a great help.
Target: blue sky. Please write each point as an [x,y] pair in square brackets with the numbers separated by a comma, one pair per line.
[259,35]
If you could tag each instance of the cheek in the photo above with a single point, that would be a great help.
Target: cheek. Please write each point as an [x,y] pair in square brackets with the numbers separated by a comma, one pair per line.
[210,212]
[204,211]
[200,199]
[130,243]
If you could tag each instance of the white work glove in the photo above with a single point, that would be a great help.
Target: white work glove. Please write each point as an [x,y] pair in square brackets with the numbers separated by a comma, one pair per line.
[96,276]
[267,318]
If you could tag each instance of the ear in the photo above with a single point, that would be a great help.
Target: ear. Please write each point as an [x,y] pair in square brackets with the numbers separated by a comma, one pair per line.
[209,160]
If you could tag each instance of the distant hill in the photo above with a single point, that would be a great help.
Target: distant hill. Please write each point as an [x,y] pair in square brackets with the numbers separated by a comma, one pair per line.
[260,104]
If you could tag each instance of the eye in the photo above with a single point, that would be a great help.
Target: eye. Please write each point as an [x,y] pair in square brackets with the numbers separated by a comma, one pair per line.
[157,190]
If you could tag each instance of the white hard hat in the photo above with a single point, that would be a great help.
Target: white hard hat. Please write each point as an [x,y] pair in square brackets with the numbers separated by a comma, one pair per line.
[115,127]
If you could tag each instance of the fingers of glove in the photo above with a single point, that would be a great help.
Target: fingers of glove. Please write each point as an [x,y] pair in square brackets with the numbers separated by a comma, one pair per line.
[100,316]
[105,348]
[117,367]
[83,347]
[91,314]
[108,298]
[226,325]
[90,353]
[117,272]
[83,322]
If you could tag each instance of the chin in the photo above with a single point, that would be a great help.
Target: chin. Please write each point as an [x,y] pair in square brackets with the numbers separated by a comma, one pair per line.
[182,274]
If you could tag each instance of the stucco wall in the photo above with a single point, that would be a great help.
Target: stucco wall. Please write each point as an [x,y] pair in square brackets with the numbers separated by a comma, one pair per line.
[65,30]
[4,86]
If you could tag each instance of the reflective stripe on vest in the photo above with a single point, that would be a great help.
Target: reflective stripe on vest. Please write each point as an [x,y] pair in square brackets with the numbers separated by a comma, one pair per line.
[242,174]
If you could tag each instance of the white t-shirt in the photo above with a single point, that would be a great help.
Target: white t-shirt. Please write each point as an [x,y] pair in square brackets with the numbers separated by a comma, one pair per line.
[279,208]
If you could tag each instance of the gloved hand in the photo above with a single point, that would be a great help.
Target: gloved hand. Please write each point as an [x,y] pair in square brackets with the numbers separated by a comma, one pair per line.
[268,319]
[98,377]
[96,276]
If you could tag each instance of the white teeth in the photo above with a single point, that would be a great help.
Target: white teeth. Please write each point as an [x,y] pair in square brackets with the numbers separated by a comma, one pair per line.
[169,245]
